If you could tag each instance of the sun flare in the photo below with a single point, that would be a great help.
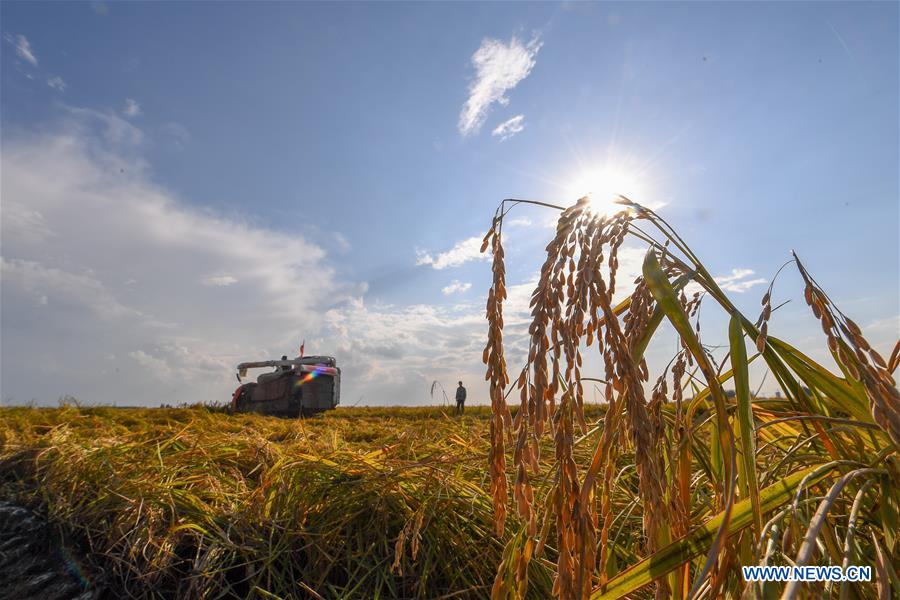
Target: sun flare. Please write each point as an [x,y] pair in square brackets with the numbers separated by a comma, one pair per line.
[604,186]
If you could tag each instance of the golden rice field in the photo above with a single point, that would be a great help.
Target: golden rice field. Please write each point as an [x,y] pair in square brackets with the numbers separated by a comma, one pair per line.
[356,503]
[190,503]
[664,492]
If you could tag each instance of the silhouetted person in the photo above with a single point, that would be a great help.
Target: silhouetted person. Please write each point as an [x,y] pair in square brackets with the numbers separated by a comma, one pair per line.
[285,367]
[460,399]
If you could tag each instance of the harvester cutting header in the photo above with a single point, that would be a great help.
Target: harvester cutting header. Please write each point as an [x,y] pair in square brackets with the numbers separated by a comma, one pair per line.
[298,387]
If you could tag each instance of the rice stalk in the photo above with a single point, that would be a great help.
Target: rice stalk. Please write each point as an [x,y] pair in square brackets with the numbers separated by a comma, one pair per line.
[689,462]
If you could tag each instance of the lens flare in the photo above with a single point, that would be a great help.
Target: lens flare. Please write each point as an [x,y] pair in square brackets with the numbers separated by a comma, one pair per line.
[310,376]
[74,567]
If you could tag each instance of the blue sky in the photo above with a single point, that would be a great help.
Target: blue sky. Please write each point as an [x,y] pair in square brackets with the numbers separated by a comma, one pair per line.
[188,185]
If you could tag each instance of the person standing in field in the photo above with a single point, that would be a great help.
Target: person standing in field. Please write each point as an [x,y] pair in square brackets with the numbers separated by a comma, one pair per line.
[460,399]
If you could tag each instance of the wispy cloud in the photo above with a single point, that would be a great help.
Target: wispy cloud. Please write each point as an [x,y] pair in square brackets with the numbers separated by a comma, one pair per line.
[341,241]
[23,48]
[113,128]
[518,222]
[28,224]
[509,128]
[456,287]
[889,325]
[57,83]
[219,280]
[178,132]
[132,108]
[737,282]
[102,251]
[461,253]
[499,67]
[100,8]
[840,40]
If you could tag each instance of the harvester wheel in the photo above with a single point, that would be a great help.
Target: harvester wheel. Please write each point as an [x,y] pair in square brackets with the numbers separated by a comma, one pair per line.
[243,400]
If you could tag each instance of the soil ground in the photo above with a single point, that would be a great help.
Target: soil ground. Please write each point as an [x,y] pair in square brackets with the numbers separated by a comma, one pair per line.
[32,562]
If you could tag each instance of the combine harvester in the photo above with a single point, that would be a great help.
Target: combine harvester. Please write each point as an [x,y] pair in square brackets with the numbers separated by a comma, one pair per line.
[298,387]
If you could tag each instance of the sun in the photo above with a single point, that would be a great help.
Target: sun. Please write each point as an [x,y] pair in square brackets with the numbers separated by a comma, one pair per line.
[604,185]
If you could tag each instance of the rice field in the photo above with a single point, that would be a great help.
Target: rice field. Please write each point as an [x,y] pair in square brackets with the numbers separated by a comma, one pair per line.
[664,490]
[194,503]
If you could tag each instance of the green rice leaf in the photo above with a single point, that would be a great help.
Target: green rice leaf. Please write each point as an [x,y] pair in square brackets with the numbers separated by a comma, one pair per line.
[697,543]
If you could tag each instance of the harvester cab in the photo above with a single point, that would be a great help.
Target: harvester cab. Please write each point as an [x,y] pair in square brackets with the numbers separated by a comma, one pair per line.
[298,387]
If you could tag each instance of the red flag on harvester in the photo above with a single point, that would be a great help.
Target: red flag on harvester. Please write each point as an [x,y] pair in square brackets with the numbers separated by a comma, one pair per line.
[303,343]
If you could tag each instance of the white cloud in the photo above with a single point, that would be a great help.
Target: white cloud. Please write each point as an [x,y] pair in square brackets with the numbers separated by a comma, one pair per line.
[550,222]
[81,289]
[157,366]
[57,83]
[119,259]
[341,241]
[99,261]
[399,350]
[737,282]
[499,67]
[518,222]
[509,128]
[24,223]
[178,132]
[889,325]
[116,131]
[219,281]
[463,252]
[23,48]
[174,362]
[132,108]
[456,287]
